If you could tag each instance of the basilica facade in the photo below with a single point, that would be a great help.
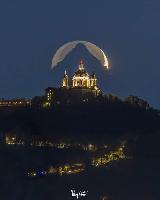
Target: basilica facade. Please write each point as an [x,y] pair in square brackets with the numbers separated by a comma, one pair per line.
[81,79]
[82,87]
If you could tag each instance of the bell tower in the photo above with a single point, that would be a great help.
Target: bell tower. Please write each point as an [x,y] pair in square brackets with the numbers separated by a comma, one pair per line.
[65,80]
[93,81]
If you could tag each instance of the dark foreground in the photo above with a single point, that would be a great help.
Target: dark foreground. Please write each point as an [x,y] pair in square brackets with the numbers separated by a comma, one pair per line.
[123,179]
[130,179]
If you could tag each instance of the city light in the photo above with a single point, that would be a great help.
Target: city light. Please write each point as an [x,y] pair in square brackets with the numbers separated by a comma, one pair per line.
[107,158]
[60,170]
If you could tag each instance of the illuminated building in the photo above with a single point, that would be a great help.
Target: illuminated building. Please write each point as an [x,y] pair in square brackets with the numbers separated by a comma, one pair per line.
[15,103]
[81,78]
[83,88]
[49,93]
[13,140]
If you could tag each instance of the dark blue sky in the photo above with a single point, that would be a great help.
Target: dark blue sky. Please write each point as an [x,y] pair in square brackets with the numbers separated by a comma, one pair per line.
[128,31]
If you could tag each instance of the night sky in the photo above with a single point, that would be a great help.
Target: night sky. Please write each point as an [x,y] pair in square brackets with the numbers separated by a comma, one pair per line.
[128,32]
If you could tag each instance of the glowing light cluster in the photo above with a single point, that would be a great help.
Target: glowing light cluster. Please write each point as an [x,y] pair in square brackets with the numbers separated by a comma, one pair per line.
[13,141]
[109,157]
[40,143]
[67,169]
[15,102]
[60,170]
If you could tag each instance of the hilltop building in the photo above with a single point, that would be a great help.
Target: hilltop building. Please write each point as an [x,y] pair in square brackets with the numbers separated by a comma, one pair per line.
[81,88]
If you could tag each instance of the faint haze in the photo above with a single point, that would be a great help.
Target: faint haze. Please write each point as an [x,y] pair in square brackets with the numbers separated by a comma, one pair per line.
[32,31]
